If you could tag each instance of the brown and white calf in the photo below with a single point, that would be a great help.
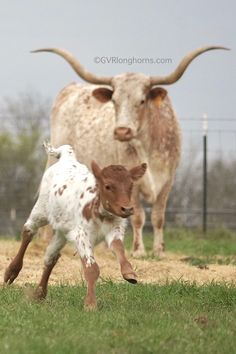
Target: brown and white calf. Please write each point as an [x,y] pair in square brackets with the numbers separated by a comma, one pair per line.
[82,208]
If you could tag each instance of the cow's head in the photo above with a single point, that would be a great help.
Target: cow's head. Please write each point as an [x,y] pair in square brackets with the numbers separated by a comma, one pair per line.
[130,93]
[115,185]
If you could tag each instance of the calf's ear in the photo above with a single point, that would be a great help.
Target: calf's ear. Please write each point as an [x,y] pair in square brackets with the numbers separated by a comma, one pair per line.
[102,94]
[95,169]
[138,171]
[157,95]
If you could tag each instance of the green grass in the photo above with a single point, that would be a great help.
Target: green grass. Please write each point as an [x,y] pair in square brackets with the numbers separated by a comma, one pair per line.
[217,246]
[173,318]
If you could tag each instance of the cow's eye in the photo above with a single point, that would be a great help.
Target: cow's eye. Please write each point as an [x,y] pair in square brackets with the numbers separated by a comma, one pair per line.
[142,101]
[108,187]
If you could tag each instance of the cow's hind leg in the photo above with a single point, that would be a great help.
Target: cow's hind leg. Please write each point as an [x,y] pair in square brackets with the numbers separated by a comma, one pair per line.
[51,257]
[126,268]
[137,221]
[158,220]
[34,222]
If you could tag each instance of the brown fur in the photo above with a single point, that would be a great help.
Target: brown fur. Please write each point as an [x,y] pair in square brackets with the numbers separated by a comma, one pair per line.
[16,264]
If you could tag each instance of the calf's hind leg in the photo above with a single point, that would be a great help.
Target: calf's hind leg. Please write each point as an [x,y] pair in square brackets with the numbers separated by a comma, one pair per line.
[51,257]
[34,222]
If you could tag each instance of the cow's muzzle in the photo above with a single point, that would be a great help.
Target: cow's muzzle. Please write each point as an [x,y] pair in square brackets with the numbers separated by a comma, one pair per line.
[123,134]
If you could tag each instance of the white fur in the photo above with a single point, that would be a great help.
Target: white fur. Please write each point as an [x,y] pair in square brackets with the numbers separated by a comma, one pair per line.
[64,193]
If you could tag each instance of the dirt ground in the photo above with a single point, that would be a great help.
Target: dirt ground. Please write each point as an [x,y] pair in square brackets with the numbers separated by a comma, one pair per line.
[68,270]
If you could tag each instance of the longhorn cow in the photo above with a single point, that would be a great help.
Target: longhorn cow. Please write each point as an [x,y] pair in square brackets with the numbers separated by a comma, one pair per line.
[127,120]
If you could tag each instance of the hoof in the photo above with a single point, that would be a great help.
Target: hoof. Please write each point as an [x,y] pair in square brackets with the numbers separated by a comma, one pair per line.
[139,253]
[159,253]
[131,277]
[90,305]
[39,294]
[11,274]
[128,273]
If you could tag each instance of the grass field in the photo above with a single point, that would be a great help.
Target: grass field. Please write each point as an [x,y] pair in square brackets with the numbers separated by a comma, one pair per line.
[174,318]
[177,317]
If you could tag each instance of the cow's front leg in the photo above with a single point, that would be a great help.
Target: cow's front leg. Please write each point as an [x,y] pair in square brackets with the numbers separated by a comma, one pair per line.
[36,220]
[51,257]
[90,267]
[137,222]
[126,268]
[158,220]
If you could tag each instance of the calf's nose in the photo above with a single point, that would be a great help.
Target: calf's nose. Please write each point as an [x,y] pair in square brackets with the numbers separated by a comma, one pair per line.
[127,211]
[123,134]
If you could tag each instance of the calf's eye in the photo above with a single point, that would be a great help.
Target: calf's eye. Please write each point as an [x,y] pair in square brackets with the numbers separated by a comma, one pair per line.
[108,188]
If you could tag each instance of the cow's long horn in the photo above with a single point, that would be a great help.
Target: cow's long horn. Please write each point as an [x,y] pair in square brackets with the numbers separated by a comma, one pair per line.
[176,75]
[78,68]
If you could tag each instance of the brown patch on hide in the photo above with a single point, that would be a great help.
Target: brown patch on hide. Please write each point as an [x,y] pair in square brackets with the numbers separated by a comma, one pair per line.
[87,211]
[61,190]
[86,100]
[93,190]
[160,223]
[136,245]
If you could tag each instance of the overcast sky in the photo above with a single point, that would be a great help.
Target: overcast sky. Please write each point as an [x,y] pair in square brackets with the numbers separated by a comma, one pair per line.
[124,28]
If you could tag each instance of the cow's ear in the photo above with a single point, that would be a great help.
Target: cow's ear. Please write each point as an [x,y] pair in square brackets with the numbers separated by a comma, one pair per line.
[138,171]
[102,94]
[157,95]
[96,169]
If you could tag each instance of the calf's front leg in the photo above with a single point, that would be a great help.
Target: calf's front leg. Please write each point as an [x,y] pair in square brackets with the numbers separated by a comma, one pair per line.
[91,274]
[126,268]
[90,267]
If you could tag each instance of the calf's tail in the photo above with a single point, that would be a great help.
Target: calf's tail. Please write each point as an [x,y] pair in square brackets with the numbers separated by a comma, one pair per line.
[51,151]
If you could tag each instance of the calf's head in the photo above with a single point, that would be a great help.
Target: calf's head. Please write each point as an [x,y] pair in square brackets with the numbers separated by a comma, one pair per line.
[115,185]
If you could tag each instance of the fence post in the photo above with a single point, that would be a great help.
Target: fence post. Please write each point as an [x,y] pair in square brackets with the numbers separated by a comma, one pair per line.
[204,214]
